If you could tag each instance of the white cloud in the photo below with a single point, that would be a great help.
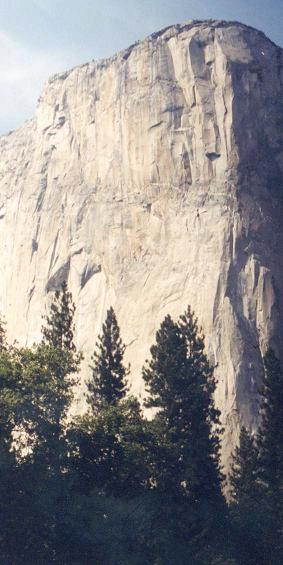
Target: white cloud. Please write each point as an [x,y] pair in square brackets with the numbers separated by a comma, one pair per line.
[22,74]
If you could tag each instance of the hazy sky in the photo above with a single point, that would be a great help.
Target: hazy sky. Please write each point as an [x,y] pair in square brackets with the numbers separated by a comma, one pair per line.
[41,37]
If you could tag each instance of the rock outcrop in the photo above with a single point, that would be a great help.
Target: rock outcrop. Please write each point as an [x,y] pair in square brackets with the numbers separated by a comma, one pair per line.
[150,181]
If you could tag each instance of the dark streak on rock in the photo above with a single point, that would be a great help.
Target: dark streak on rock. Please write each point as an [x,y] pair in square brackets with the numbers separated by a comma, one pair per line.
[61,275]
[88,272]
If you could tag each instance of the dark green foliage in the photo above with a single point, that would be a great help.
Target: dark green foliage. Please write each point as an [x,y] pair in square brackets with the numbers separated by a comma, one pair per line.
[244,476]
[36,391]
[119,529]
[50,369]
[108,444]
[9,487]
[180,385]
[185,445]
[165,375]
[185,533]
[109,450]
[112,488]
[248,511]
[270,443]
[58,331]
[9,399]
[257,478]
[202,417]
[35,396]
[47,373]
[52,372]
[108,384]
[271,429]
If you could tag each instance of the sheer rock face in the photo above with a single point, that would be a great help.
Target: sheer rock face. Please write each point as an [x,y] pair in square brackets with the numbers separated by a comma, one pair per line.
[151,181]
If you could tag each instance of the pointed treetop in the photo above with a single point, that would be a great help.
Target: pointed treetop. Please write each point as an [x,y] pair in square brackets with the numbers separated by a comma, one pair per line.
[109,375]
[180,385]
[188,324]
[58,331]
[166,369]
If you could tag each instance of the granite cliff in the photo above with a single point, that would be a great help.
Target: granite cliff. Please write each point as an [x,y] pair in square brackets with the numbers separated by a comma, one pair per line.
[150,181]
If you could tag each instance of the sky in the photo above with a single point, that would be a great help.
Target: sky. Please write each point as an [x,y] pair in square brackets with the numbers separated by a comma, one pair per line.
[41,37]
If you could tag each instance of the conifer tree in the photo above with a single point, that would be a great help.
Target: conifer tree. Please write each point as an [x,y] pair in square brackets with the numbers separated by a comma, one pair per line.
[109,443]
[249,513]
[108,384]
[203,417]
[51,370]
[185,447]
[270,443]
[257,477]
[59,328]
[244,475]
[271,428]
[180,385]
[47,376]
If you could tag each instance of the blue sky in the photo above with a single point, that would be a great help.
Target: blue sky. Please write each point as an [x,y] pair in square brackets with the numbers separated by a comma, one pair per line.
[41,37]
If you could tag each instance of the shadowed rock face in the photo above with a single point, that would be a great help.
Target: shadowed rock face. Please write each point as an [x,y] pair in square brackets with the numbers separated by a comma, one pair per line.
[150,181]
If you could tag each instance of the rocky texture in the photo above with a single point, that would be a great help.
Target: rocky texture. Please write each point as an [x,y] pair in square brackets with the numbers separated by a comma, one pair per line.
[152,180]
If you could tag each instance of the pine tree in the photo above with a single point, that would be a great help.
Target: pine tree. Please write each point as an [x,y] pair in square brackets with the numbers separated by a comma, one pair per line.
[244,475]
[108,384]
[48,373]
[58,331]
[257,477]
[51,370]
[185,448]
[203,417]
[109,443]
[251,526]
[270,443]
[180,385]
[271,428]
